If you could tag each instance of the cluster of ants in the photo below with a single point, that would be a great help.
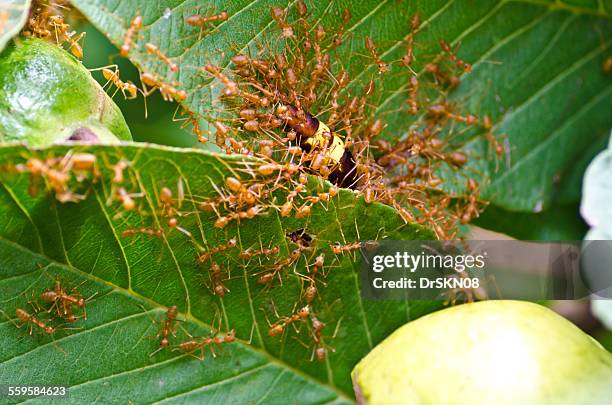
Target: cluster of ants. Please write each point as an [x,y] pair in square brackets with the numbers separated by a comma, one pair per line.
[53,308]
[70,176]
[305,314]
[243,200]
[47,21]
[64,175]
[168,328]
[288,109]
[61,175]
[298,112]
[309,116]
[57,306]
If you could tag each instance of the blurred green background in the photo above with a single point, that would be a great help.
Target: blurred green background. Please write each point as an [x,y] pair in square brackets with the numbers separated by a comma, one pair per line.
[159,127]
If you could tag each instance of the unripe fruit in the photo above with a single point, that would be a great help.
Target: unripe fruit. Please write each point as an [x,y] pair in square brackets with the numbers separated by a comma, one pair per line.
[48,96]
[489,352]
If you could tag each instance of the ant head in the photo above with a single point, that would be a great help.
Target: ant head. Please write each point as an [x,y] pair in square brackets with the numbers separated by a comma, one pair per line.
[295,254]
[221,222]
[304,312]
[337,248]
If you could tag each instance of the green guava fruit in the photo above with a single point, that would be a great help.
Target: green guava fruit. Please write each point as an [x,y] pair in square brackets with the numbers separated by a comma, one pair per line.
[48,96]
[490,352]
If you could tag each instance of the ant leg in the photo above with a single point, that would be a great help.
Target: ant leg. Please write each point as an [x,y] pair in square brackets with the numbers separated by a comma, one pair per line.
[251,334]
[201,353]
[212,350]
[11,320]
[160,348]
[153,321]
[146,92]
[186,332]
[81,37]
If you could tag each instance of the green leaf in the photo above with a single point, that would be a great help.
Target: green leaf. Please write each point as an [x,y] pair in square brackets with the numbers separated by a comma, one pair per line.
[48,96]
[543,82]
[570,187]
[559,222]
[537,71]
[82,244]
[605,338]
[13,16]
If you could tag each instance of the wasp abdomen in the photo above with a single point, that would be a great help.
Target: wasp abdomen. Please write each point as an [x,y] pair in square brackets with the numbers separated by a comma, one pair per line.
[316,137]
